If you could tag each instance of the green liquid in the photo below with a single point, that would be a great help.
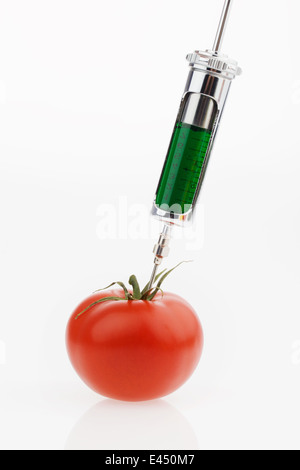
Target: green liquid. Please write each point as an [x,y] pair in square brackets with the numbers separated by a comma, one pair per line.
[183,166]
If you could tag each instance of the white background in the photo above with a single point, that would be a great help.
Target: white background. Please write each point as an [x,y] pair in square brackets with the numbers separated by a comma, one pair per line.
[89,91]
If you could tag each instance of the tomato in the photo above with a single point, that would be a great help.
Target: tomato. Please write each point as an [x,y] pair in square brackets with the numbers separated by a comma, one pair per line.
[134,350]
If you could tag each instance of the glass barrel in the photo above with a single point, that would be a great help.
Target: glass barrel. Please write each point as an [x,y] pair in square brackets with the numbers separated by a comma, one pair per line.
[187,155]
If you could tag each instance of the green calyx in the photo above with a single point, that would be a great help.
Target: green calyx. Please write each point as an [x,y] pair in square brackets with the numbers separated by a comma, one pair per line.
[147,294]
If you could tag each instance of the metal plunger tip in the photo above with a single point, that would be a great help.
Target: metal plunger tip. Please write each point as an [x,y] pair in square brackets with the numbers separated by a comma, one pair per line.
[222,26]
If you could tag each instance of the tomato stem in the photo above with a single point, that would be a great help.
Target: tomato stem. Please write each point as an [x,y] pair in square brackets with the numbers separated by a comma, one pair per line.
[146,294]
[136,288]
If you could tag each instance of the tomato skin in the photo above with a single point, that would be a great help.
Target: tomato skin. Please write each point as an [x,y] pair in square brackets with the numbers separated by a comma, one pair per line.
[134,350]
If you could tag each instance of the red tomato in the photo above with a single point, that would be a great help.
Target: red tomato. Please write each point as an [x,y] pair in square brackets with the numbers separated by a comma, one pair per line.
[134,350]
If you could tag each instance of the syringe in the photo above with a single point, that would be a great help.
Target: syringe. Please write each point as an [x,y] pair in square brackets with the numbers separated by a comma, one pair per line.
[196,126]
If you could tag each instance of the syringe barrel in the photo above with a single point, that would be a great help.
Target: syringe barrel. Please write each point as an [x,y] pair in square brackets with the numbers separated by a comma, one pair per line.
[196,126]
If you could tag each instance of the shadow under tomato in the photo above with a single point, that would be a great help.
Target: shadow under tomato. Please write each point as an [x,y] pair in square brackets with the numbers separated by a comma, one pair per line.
[113,425]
